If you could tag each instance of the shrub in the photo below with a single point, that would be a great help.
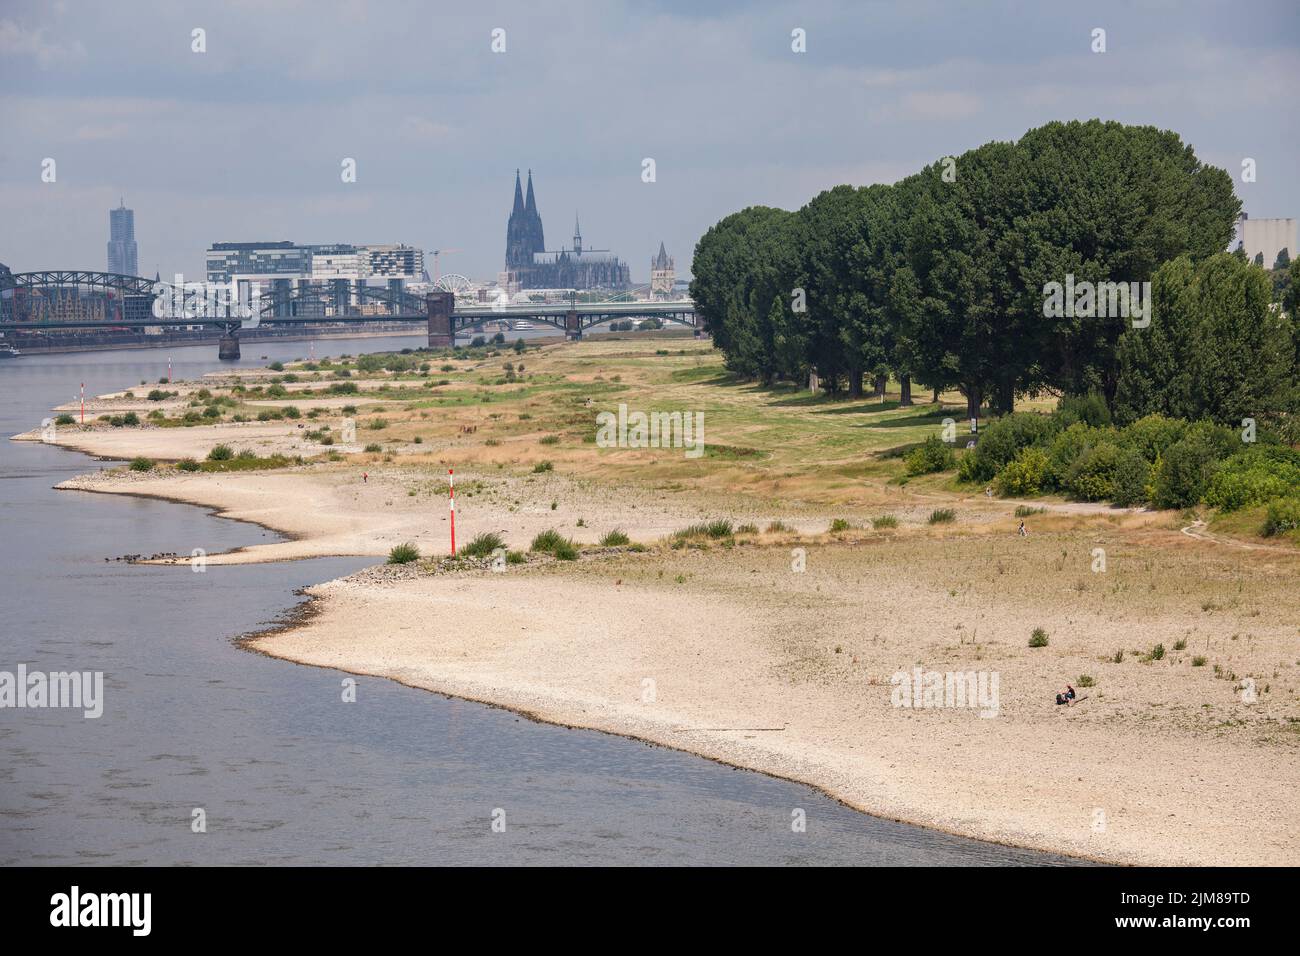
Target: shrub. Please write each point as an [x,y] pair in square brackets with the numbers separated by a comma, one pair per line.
[840,524]
[276,366]
[212,411]
[1186,468]
[747,528]
[141,464]
[1024,474]
[276,391]
[291,411]
[65,420]
[554,543]
[187,464]
[1157,653]
[1086,680]
[516,557]
[1283,516]
[1024,511]
[1090,409]
[1253,477]
[1152,435]
[478,342]
[614,539]
[403,554]
[1132,478]
[1092,476]
[777,526]
[884,521]
[156,395]
[942,516]
[130,418]
[1038,638]
[483,545]
[374,448]
[542,466]
[220,453]
[720,528]
[549,440]
[1002,439]
[1198,660]
[377,424]
[932,455]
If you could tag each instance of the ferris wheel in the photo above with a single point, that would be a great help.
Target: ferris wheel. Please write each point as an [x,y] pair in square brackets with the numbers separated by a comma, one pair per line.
[453,282]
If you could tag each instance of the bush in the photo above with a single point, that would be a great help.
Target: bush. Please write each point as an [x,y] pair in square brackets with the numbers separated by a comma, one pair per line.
[1002,440]
[291,411]
[374,448]
[1253,477]
[1092,476]
[554,543]
[483,545]
[1089,409]
[478,342]
[65,420]
[220,453]
[720,528]
[614,539]
[1152,435]
[1024,511]
[549,440]
[1132,478]
[156,395]
[141,464]
[1283,516]
[942,516]
[1024,474]
[542,466]
[932,455]
[1086,680]
[840,524]
[130,418]
[1186,468]
[1066,448]
[403,554]
[187,464]
[884,521]
[1038,638]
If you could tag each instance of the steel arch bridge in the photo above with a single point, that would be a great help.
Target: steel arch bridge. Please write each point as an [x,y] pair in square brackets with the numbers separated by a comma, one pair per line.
[66,299]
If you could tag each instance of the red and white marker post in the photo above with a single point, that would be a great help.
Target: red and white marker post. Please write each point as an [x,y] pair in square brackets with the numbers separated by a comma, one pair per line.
[169,370]
[451,504]
[83,403]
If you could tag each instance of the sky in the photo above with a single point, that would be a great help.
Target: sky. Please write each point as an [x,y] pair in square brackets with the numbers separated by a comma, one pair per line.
[246,141]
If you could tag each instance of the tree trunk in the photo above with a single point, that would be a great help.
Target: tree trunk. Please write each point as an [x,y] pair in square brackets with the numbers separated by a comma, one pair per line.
[905,390]
[935,400]
[1006,398]
[855,382]
[881,381]
[974,399]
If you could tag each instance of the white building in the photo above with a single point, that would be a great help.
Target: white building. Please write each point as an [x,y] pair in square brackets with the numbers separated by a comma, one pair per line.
[1267,236]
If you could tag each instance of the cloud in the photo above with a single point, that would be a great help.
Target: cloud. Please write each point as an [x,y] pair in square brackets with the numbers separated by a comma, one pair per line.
[15,40]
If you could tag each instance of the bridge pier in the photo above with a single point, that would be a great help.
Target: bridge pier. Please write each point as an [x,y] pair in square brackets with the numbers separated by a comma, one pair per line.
[572,326]
[228,347]
[440,305]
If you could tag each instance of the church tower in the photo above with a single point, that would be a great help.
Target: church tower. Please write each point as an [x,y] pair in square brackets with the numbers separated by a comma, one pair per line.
[577,235]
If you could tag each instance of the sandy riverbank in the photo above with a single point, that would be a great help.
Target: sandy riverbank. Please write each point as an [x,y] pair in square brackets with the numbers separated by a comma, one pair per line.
[729,653]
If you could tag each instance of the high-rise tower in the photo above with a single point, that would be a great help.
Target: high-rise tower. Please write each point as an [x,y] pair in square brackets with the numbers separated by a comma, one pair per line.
[122,258]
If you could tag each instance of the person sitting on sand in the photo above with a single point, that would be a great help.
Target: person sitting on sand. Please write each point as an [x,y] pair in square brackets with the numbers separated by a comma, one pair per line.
[1067,698]
[1023,533]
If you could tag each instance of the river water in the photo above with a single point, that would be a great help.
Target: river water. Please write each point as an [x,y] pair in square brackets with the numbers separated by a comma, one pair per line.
[283,771]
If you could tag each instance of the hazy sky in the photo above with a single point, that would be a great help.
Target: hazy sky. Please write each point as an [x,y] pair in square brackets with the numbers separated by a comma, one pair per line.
[244,142]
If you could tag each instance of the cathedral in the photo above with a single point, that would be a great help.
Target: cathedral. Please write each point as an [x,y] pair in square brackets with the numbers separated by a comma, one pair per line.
[530,266]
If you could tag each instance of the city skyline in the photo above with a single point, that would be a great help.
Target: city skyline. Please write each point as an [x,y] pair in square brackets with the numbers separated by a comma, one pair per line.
[739,117]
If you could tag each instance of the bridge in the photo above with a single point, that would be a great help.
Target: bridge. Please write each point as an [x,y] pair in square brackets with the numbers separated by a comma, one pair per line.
[66,300]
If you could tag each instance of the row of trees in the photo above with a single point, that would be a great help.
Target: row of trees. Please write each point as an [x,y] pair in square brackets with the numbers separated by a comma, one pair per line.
[940,278]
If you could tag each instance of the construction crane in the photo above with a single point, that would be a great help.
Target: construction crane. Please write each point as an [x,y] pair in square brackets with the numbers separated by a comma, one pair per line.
[436,253]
